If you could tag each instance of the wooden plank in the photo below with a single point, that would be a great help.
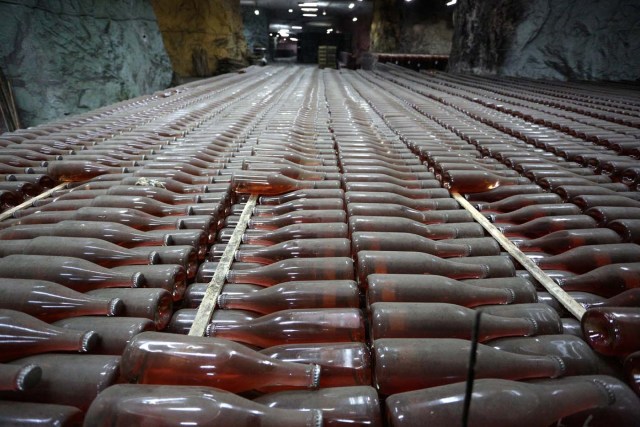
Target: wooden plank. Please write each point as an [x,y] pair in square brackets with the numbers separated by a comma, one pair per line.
[208,304]
[9,213]
[552,287]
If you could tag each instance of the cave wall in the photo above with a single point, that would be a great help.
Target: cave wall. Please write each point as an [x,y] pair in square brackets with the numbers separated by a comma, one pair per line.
[65,57]
[202,37]
[422,26]
[566,40]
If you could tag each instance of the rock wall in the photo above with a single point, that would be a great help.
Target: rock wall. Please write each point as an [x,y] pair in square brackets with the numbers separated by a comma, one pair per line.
[69,56]
[564,40]
[423,26]
[202,37]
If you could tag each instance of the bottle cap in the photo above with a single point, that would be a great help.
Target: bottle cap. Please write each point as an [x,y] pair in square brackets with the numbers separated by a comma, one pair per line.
[28,377]
[89,341]
[116,307]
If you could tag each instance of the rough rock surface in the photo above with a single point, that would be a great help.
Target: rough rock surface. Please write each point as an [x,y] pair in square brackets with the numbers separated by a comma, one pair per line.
[564,40]
[201,35]
[70,56]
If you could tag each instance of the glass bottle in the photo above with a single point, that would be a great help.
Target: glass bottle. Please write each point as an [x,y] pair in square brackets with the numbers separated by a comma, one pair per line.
[518,201]
[114,332]
[405,225]
[296,231]
[425,217]
[314,193]
[294,295]
[161,358]
[527,213]
[272,184]
[381,178]
[24,335]
[612,331]
[49,301]
[477,181]
[587,201]
[426,204]
[606,281]
[628,229]
[340,406]
[404,364]
[632,371]
[19,377]
[150,303]
[76,171]
[195,292]
[430,288]
[440,320]
[68,379]
[294,327]
[297,217]
[171,277]
[393,241]
[542,226]
[295,269]
[298,205]
[74,273]
[503,192]
[169,405]
[628,298]
[342,364]
[388,187]
[299,248]
[506,403]
[605,214]
[27,413]
[376,169]
[586,258]
[564,240]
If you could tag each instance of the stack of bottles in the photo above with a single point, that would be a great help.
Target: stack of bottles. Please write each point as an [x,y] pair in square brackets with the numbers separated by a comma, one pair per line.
[352,297]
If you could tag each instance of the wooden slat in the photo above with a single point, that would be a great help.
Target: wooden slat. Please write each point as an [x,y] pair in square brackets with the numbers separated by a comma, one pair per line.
[552,287]
[9,213]
[208,304]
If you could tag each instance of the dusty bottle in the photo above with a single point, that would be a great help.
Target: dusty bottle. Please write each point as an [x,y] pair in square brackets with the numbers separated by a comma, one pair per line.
[114,332]
[75,171]
[19,377]
[273,184]
[342,364]
[382,178]
[296,231]
[503,192]
[529,213]
[564,240]
[418,204]
[405,225]
[149,303]
[171,277]
[393,210]
[25,413]
[300,248]
[298,205]
[393,241]
[477,181]
[68,379]
[589,201]
[586,258]
[440,320]
[182,320]
[291,171]
[387,187]
[429,288]
[404,364]
[298,217]
[340,406]
[628,229]
[164,405]
[294,327]
[74,273]
[605,214]
[49,301]
[301,194]
[606,281]
[612,331]
[295,269]
[24,335]
[506,403]
[628,298]
[542,226]
[294,295]
[153,357]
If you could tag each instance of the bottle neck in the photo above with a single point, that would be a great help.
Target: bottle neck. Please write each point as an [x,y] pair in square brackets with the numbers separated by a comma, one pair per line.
[274,417]
[492,327]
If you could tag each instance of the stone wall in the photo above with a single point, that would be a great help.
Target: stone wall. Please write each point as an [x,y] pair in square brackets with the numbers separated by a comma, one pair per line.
[66,57]
[202,37]
[564,40]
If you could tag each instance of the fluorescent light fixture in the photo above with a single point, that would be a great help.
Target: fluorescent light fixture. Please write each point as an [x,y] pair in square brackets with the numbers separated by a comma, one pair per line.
[354,19]
[308,4]
[352,5]
[310,15]
[284,32]
[257,12]
[293,39]
[324,12]
[296,27]
[452,2]
[309,9]
[290,10]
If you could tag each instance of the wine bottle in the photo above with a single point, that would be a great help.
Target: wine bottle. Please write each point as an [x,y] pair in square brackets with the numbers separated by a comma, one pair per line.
[76,171]
[586,258]
[294,327]
[297,217]
[295,269]
[195,292]
[542,226]
[564,240]
[300,248]
[342,364]
[506,403]
[382,178]
[512,203]
[74,273]
[19,377]
[431,288]
[26,413]
[528,213]
[314,193]
[585,202]
[605,214]
[161,358]
[168,405]
[628,229]
[340,406]
[440,320]
[182,320]
[632,371]
[503,192]
[427,204]
[294,295]
[49,301]
[171,277]
[393,210]
[606,281]
[298,205]
[149,303]
[326,230]
[405,364]
[271,184]
[477,181]
[405,225]
[628,298]
[378,241]
[612,331]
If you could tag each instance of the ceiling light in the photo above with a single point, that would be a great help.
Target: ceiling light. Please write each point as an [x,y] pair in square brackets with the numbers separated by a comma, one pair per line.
[296,27]
[354,19]
[293,39]
[311,15]
[309,9]
[308,4]
[452,2]
[324,12]
[257,12]
[352,5]
[290,10]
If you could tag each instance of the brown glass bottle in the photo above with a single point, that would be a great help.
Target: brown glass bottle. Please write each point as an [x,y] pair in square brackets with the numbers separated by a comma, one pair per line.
[299,248]
[161,358]
[405,225]
[298,205]
[298,217]
[150,303]
[586,258]
[172,277]
[387,187]
[382,178]
[393,241]
[564,240]
[440,320]
[606,281]
[295,269]
[25,413]
[405,364]
[628,229]
[430,288]
[294,327]
[273,184]
[542,226]
[477,181]
[528,213]
[302,194]
[436,203]
[19,377]
[585,202]
[296,231]
[24,335]
[393,210]
[503,192]
[294,295]
[612,331]
[342,364]
[76,171]
[632,371]
[49,301]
